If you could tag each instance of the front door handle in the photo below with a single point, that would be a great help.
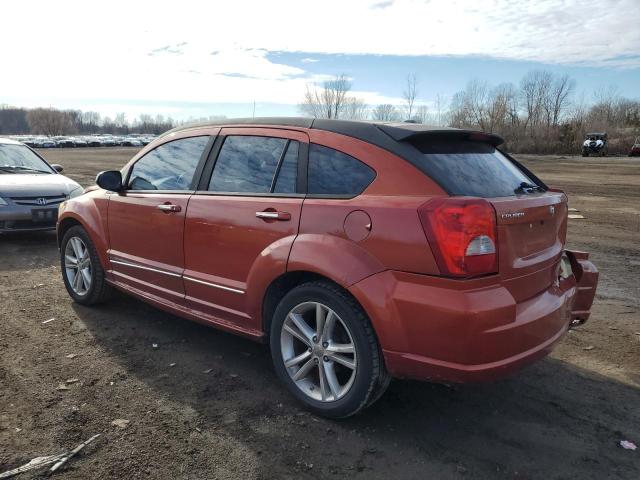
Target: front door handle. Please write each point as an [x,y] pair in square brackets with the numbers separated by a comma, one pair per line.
[273,215]
[170,208]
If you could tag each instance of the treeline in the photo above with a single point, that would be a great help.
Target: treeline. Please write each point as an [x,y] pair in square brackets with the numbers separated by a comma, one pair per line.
[51,121]
[539,115]
[542,115]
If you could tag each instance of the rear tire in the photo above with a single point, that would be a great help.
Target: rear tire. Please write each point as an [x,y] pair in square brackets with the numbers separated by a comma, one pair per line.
[303,349]
[82,271]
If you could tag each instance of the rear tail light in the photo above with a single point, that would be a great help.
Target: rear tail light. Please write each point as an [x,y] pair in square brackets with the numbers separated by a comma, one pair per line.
[462,235]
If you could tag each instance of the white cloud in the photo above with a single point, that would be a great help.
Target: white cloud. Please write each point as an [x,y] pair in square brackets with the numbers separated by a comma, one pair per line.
[382,5]
[210,52]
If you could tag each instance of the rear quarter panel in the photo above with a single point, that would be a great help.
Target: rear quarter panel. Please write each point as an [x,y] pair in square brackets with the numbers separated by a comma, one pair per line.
[395,238]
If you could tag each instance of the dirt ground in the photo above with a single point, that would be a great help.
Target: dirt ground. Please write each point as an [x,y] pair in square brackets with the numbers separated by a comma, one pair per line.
[220,412]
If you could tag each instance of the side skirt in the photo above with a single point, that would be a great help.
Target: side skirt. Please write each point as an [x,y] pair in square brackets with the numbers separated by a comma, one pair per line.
[189,314]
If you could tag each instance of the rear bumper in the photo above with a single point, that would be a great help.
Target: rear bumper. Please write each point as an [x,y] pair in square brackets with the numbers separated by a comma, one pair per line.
[467,331]
[586,275]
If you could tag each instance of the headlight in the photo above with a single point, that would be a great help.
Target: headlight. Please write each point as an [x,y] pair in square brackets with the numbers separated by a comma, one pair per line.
[75,192]
[3,202]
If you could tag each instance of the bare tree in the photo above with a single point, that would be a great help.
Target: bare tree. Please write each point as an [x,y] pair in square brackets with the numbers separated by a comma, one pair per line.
[501,108]
[121,120]
[49,121]
[328,100]
[535,87]
[542,115]
[477,102]
[385,113]
[13,120]
[89,122]
[422,114]
[355,109]
[560,95]
[438,105]
[147,124]
[410,93]
[606,102]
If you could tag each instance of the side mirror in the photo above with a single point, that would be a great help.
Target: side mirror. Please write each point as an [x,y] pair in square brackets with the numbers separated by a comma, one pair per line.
[110,180]
[56,167]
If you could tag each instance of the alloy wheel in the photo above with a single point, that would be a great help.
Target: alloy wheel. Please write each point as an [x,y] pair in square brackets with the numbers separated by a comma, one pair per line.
[318,352]
[77,264]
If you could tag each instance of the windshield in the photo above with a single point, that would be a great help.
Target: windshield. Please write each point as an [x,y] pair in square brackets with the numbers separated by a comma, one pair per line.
[472,168]
[19,157]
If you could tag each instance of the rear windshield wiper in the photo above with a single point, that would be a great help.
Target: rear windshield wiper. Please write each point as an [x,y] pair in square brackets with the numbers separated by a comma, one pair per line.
[526,187]
[7,169]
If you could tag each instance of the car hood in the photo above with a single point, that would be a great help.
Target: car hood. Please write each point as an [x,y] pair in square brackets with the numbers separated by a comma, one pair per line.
[29,184]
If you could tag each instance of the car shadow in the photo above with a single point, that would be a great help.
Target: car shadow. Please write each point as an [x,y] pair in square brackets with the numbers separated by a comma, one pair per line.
[553,420]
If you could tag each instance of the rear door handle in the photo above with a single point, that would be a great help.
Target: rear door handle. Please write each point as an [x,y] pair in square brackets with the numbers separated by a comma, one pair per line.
[169,208]
[272,215]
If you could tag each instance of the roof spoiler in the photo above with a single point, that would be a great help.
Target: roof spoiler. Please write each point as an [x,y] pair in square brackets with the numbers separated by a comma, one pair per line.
[410,132]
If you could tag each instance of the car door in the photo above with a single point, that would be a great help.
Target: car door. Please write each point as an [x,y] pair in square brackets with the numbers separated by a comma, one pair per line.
[146,220]
[248,205]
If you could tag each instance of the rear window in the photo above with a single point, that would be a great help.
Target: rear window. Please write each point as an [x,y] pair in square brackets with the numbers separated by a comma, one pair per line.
[471,168]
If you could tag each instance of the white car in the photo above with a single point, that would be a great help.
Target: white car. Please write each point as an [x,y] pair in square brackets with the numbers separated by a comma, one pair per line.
[30,189]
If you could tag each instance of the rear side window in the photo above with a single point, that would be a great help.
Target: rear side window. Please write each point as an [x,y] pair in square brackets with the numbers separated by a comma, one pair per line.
[251,164]
[335,173]
[171,166]
[471,168]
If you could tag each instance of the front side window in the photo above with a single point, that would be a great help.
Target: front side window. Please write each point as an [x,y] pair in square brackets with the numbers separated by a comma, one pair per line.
[335,173]
[249,164]
[171,166]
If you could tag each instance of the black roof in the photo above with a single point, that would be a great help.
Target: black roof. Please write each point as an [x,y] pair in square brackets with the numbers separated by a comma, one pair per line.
[382,134]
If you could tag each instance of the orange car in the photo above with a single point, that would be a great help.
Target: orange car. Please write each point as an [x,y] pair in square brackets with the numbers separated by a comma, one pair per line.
[358,251]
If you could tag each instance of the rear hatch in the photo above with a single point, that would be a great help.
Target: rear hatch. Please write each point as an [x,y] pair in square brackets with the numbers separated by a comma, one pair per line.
[530,218]
[531,237]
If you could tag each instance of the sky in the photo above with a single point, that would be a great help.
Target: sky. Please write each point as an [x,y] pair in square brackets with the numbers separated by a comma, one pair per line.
[192,59]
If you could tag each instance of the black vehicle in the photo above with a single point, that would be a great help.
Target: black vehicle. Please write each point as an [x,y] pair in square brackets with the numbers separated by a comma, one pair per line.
[66,142]
[93,142]
[595,143]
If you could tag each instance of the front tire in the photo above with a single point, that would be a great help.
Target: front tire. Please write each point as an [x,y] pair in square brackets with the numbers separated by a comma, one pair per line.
[325,351]
[82,271]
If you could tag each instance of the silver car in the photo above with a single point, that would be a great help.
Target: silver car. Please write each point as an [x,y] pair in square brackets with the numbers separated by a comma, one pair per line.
[30,189]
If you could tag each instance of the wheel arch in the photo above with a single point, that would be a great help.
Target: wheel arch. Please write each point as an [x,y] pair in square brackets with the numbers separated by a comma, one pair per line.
[64,225]
[93,224]
[279,287]
[304,258]
[286,282]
